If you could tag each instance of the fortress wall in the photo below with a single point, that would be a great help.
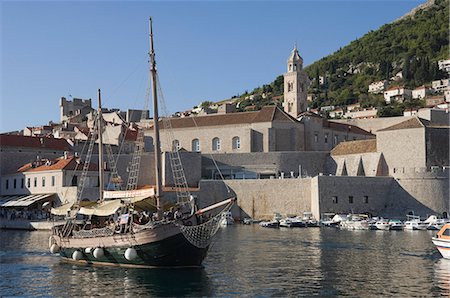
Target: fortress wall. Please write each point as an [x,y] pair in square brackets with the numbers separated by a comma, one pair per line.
[377,190]
[422,195]
[260,198]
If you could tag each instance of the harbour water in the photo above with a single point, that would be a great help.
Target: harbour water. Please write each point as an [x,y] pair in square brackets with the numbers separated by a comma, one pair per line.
[245,261]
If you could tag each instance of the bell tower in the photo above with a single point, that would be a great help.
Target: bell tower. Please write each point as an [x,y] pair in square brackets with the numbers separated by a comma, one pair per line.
[296,83]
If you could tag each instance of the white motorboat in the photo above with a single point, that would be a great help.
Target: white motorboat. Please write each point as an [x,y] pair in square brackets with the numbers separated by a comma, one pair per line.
[226,219]
[327,219]
[383,224]
[442,241]
[396,225]
[414,223]
[270,224]
[435,223]
[309,220]
[292,222]
[355,222]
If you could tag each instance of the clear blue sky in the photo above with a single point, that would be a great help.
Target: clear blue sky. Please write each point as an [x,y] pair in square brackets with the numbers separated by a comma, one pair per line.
[204,50]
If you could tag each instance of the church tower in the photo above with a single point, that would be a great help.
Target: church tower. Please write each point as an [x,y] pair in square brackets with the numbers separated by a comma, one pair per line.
[296,83]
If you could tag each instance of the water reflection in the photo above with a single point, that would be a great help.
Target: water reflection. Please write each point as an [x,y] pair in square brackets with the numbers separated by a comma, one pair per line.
[245,260]
[442,276]
[92,281]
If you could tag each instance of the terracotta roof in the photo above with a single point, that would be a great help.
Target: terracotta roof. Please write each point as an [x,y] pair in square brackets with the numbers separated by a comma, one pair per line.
[355,147]
[266,114]
[414,122]
[34,142]
[71,163]
[346,128]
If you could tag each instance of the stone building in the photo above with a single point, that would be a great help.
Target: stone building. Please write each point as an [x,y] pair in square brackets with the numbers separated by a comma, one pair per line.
[77,108]
[296,83]
[48,179]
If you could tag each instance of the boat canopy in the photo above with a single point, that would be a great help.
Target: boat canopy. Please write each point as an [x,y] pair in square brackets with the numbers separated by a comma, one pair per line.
[110,207]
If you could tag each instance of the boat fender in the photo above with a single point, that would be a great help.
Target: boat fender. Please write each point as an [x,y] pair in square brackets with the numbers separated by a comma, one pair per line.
[77,255]
[54,248]
[88,250]
[130,254]
[98,253]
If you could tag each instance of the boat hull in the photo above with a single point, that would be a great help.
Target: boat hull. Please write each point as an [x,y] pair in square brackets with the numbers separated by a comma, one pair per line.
[174,251]
[160,246]
[443,246]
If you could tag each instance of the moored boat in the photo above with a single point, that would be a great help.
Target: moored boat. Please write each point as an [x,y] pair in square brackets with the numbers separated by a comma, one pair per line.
[413,222]
[382,224]
[442,241]
[396,225]
[226,219]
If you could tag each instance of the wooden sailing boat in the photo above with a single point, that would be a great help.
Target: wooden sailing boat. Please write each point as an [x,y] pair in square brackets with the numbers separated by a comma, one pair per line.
[180,239]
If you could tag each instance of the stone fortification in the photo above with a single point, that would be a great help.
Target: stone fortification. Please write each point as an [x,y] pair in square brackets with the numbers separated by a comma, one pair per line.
[260,198]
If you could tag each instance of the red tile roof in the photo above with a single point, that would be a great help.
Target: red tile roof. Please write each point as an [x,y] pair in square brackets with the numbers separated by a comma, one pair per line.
[34,142]
[71,163]
[414,122]
[346,128]
[266,114]
[355,147]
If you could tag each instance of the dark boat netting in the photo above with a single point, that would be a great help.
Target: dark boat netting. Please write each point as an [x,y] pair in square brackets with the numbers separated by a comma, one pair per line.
[201,235]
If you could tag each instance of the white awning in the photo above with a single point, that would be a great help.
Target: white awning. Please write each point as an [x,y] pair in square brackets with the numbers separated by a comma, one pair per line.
[109,207]
[23,200]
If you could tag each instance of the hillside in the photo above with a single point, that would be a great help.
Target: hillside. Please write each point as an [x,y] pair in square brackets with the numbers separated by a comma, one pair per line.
[410,46]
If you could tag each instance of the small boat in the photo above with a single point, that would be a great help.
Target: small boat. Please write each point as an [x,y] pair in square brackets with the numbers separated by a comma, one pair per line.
[355,222]
[270,224]
[395,225]
[442,241]
[226,219]
[292,222]
[309,219]
[414,223]
[435,223]
[247,221]
[383,224]
[327,219]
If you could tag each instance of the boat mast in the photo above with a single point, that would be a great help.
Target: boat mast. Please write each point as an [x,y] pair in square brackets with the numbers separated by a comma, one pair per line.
[157,142]
[100,147]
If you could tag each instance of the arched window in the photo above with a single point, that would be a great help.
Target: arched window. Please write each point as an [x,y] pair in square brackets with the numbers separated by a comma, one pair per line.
[216,144]
[195,145]
[175,145]
[236,141]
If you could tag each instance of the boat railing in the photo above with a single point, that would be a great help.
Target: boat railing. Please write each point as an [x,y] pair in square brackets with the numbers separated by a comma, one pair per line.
[98,232]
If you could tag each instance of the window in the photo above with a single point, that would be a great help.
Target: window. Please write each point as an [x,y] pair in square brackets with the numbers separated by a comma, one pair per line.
[290,104]
[236,143]
[175,145]
[334,200]
[28,182]
[35,181]
[366,199]
[216,144]
[326,138]
[7,184]
[446,232]
[74,181]
[316,137]
[15,183]
[195,145]
[22,182]
[43,181]
[290,86]
[350,199]
[53,180]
